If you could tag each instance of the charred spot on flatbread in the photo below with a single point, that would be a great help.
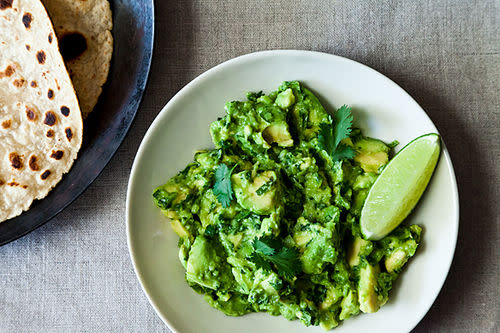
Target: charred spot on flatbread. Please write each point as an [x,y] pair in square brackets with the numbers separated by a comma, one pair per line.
[72,45]
[40,56]
[69,133]
[50,37]
[45,174]
[9,70]
[4,4]
[57,155]
[15,160]
[6,124]
[33,84]
[2,182]
[33,163]
[27,18]
[28,47]
[30,114]
[50,134]
[50,94]
[18,83]
[50,118]
[65,110]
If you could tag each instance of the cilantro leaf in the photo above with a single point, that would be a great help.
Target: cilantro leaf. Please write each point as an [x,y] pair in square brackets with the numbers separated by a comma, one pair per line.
[325,138]
[272,251]
[260,261]
[287,262]
[343,152]
[330,136]
[262,246]
[342,124]
[222,187]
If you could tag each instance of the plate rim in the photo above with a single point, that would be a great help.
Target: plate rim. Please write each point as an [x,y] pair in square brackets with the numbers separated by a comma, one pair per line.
[287,52]
[142,88]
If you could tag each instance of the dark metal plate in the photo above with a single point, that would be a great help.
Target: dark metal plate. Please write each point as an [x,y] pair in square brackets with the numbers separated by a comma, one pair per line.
[106,127]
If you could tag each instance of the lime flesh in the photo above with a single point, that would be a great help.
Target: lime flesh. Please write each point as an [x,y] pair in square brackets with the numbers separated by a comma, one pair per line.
[399,187]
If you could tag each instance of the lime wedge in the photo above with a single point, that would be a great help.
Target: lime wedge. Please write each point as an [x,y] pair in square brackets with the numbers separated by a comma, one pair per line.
[399,187]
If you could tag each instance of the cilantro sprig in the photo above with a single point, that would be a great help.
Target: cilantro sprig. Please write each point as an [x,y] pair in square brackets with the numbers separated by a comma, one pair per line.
[330,136]
[271,252]
[222,187]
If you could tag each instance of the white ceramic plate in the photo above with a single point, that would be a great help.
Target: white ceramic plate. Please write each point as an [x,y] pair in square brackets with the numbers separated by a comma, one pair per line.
[381,108]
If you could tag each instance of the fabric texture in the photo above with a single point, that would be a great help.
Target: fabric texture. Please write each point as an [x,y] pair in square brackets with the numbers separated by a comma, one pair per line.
[74,274]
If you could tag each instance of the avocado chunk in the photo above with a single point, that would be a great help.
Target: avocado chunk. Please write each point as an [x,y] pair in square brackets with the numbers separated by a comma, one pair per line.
[333,294]
[285,99]
[400,246]
[307,113]
[278,133]
[328,321]
[163,199]
[256,194]
[179,229]
[349,305]
[317,243]
[354,250]
[202,264]
[242,275]
[368,298]
[395,261]
[236,305]
[372,154]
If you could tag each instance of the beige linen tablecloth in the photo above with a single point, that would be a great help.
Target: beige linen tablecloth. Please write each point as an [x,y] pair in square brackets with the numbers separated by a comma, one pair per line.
[74,273]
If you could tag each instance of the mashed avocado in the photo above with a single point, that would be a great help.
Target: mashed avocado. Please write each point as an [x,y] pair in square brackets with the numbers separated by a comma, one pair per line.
[269,220]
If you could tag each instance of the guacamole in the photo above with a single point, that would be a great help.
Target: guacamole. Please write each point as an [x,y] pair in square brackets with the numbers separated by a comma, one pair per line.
[269,220]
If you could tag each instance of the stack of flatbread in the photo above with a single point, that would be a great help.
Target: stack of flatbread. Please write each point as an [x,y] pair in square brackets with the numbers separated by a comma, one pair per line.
[40,117]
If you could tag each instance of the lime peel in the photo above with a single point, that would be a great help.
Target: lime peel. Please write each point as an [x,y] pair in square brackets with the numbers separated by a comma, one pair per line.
[400,186]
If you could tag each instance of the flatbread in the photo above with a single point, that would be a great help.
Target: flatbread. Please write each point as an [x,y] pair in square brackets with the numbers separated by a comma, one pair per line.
[83,28]
[40,120]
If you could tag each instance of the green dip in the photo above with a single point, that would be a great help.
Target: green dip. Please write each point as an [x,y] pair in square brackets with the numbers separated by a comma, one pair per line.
[269,222]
